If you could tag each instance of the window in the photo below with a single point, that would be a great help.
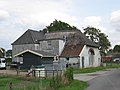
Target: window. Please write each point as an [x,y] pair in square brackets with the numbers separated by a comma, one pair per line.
[67,59]
[49,43]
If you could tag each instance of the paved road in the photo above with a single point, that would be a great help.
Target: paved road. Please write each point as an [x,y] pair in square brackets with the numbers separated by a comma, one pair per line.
[107,81]
[89,76]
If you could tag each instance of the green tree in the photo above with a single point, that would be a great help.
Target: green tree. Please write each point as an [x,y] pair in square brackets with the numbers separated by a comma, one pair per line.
[93,33]
[58,26]
[116,48]
[2,52]
[99,38]
[110,51]
[9,53]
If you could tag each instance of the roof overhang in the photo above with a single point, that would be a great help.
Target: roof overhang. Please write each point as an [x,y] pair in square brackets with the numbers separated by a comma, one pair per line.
[33,52]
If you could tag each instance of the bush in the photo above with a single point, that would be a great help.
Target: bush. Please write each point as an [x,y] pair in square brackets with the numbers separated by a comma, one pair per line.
[55,83]
[68,74]
[64,80]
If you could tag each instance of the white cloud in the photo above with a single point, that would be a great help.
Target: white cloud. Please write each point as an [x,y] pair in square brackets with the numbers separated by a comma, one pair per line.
[7,37]
[3,15]
[115,20]
[46,18]
[19,15]
[114,38]
[92,21]
[34,14]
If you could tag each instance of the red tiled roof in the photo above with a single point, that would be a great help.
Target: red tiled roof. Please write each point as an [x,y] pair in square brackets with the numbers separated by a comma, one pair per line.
[72,50]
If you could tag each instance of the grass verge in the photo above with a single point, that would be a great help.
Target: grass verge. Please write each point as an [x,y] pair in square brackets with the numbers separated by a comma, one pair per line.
[28,83]
[94,69]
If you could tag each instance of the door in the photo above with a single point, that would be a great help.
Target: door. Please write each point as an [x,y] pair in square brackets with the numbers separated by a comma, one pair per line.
[82,62]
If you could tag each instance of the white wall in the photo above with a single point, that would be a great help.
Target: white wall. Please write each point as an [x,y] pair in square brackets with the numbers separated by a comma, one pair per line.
[84,53]
[61,46]
[78,60]
[73,61]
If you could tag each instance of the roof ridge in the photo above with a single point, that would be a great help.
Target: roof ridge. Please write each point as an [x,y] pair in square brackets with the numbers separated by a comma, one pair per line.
[74,30]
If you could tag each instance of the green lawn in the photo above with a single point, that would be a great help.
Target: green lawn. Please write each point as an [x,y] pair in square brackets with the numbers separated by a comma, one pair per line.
[21,83]
[75,85]
[25,83]
[94,69]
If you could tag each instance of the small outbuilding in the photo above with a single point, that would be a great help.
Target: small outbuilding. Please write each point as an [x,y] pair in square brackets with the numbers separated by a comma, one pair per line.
[35,58]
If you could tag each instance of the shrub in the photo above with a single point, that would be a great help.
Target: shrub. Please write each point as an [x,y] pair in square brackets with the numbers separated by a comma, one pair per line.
[69,74]
[64,80]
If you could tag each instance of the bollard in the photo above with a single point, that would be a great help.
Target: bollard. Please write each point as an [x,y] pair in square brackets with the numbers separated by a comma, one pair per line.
[10,85]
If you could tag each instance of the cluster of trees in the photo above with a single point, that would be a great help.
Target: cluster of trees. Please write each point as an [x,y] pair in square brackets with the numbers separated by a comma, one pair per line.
[58,26]
[116,49]
[99,38]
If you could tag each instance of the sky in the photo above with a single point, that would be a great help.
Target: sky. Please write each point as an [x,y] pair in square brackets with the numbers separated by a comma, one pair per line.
[17,16]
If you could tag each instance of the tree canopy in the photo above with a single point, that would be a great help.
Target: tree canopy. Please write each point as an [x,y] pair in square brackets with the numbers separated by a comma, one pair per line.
[2,52]
[116,49]
[9,53]
[99,38]
[58,26]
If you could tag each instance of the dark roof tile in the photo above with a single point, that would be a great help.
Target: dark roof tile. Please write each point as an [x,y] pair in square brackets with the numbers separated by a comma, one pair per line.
[29,37]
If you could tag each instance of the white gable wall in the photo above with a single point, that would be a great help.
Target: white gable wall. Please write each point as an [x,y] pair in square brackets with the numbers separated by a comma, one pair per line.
[77,61]
[85,53]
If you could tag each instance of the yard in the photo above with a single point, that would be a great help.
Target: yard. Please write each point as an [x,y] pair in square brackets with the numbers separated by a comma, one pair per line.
[28,83]
[32,83]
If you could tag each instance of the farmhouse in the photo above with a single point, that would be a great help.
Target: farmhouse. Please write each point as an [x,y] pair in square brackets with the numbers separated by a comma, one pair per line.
[55,50]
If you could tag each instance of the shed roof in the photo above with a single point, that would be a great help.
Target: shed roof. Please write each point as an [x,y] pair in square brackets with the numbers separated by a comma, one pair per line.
[38,53]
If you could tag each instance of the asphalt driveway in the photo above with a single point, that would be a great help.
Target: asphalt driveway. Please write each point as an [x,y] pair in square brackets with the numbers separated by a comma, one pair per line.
[107,81]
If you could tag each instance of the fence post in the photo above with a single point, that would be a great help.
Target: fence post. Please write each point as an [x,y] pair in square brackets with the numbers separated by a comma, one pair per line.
[10,85]
[18,70]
